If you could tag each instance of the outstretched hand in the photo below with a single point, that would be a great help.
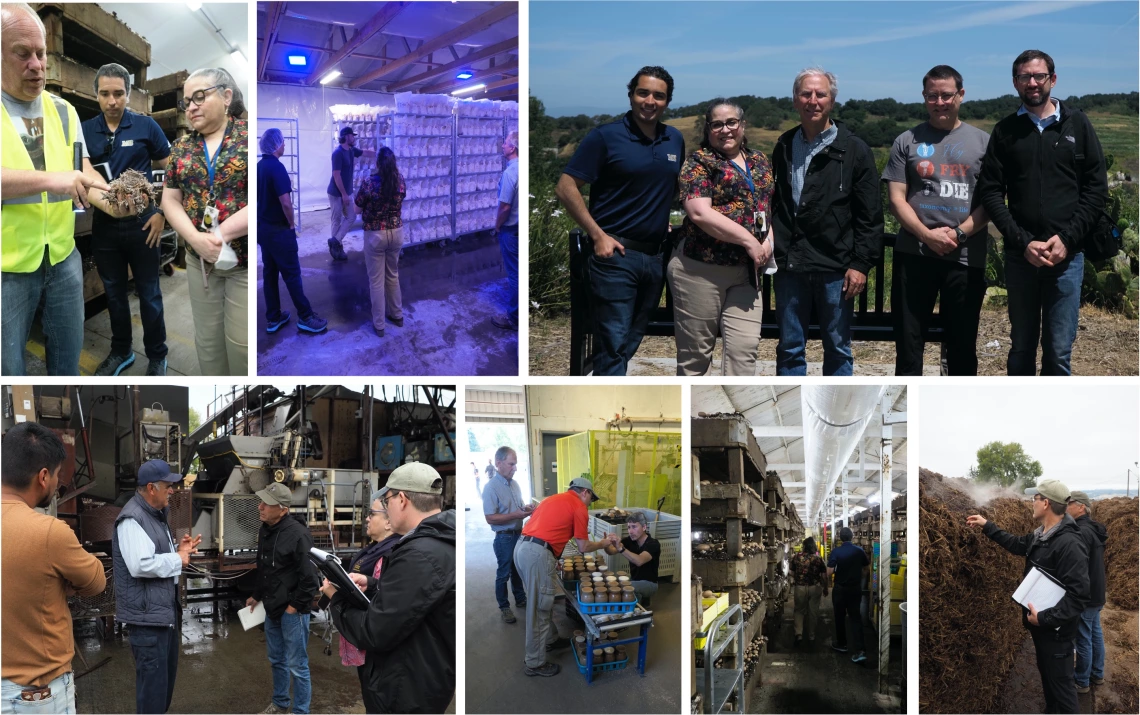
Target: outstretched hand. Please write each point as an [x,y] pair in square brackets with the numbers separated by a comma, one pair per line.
[976,520]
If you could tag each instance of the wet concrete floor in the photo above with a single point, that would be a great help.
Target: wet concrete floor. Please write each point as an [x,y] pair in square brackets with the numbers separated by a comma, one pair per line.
[813,678]
[451,292]
[495,679]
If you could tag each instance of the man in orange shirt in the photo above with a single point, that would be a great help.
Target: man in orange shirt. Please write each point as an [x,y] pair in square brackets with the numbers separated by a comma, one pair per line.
[554,522]
[43,564]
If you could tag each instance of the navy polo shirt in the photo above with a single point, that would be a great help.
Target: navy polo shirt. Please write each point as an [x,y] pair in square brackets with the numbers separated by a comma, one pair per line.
[848,561]
[272,182]
[632,178]
[137,142]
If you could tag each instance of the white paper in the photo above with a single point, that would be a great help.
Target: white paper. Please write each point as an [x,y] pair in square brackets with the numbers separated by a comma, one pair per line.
[249,620]
[1038,589]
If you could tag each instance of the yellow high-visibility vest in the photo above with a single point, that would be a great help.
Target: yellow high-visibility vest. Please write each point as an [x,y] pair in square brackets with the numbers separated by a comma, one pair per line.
[44,219]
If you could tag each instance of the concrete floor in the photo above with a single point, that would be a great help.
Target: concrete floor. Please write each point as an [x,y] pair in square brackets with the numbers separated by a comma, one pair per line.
[495,679]
[182,359]
[450,293]
[813,678]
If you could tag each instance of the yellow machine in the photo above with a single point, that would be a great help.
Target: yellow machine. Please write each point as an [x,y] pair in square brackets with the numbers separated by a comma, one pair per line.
[629,469]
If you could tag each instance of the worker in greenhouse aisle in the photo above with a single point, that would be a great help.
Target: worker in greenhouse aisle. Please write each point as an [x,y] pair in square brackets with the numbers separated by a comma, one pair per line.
[808,572]
[643,553]
[504,510]
[507,229]
[1090,638]
[848,564]
[553,523]
[342,213]
[1057,548]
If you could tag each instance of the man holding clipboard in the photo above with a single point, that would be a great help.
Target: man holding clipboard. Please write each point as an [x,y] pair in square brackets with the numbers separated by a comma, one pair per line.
[1057,550]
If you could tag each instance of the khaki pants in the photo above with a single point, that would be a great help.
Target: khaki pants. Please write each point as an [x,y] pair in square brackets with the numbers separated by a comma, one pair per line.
[535,564]
[708,299]
[339,219]
[221,319]
[382,258]
[807,605]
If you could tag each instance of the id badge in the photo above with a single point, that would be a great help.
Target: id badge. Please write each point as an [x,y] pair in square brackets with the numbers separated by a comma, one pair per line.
[210,219]
[760,219]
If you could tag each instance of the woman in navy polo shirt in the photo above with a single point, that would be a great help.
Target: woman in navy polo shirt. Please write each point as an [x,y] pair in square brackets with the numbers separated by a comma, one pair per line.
[725,242]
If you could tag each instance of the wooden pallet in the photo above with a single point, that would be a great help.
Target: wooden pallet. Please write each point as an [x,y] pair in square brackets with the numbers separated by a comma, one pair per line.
[91,36]
[720,502]
[719,575]
[75,83]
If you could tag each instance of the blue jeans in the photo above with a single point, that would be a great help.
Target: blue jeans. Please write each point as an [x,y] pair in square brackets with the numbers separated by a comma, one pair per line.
[287,641]
[155,649]
[60,287]
[1090,647]
[644,589]
[504,555]
[61,702]
[796,293]
[509,247]
[625,290]
[1044,303]
[117,245]
[279,258]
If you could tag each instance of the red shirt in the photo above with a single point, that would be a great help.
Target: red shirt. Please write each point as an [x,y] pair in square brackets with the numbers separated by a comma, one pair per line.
[558,519]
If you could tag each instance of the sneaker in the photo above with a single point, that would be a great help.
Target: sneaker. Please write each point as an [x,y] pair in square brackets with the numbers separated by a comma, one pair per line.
[337,251]
[379,333]
[522,604]
[558,644]
[275,325]
[398,322]
[840,648]
[1098,681]
[504,322]
[545,670]
[114,364]
[273,709]
[859,657]
[313,324]
[156,368]
[508,615]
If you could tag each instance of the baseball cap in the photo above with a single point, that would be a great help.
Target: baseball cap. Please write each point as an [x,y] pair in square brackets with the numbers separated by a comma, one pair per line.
[583,483]
[345,131]
[1052,490]
[1082,498]
[276,494]
[413,477]
[156,470]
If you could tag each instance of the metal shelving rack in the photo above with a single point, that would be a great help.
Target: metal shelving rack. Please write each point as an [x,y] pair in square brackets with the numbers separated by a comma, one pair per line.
[290,131]
[718,685]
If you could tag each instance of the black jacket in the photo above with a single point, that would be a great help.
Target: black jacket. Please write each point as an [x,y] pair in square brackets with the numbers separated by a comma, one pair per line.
[839,224]
[285,575]
[1062,554]
[1055,180]
[408,630]
[1095,535]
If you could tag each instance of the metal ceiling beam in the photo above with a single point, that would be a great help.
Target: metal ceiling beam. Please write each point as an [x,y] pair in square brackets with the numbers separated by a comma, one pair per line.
[276,11]
[375,24]
[474,56]
[484,21]
[480,75]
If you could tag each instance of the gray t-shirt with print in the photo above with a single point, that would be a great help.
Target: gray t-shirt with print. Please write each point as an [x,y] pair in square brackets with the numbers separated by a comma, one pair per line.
[28,119]
[940,170]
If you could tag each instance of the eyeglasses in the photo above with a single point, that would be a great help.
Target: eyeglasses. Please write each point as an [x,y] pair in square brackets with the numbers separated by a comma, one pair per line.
[377,512]
[1038,497]
[1038,76]
[933,97]
[197,98]
[732,124]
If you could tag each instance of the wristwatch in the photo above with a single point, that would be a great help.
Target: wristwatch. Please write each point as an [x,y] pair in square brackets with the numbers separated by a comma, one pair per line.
[960,234]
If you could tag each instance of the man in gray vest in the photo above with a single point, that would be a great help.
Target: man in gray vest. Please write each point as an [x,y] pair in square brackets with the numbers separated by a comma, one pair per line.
[147,566]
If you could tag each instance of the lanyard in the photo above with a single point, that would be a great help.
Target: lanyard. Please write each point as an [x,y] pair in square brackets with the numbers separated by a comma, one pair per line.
[746,172]
[211,160]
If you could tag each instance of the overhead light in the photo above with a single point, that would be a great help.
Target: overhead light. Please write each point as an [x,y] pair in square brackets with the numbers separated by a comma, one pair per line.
[465,74]
[330,76]
[469,90]
[238,57]
[298,60]
[194,6]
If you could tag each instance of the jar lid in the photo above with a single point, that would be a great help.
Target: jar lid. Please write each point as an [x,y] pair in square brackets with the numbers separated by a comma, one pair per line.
[609,650]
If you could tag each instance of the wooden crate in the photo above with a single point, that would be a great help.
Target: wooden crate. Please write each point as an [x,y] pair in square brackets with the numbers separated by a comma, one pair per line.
[719,575]
[729,501]
[91,36]
[75,83]
[165,91]
[172,122]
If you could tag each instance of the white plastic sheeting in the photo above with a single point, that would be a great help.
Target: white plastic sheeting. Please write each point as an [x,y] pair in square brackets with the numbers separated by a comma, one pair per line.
[310,105]
[834,419]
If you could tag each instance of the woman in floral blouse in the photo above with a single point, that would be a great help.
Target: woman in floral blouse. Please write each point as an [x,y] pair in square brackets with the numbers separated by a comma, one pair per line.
[725,242]
[205,202]
[379,200]
[809,579]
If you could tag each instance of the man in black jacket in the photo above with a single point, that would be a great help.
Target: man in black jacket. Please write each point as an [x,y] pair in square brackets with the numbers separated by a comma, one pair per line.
[286,585]
[828,223]
[1047,161]
[1090,639]
[408,629]
[1057,548]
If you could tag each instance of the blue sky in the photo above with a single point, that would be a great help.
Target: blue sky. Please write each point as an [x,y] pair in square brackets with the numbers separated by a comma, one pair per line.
[582,53]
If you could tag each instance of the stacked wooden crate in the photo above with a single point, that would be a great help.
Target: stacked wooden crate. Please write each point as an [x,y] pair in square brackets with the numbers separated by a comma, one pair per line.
[165,92]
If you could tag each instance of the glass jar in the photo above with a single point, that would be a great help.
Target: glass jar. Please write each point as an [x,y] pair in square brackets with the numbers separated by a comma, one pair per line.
[601,596]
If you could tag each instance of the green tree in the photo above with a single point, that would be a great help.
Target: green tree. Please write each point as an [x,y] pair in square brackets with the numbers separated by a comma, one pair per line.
[195,420]
[1005,463]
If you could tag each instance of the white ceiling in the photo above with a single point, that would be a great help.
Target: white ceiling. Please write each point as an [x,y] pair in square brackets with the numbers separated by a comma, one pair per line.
[781,406]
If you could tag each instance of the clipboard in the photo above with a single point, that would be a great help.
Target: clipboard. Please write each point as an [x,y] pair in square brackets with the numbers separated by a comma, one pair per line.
[1039,588]
[330,566]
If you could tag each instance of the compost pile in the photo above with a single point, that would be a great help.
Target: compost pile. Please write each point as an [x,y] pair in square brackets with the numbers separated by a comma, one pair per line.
[969,630]
[131,192]
[1120,516]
